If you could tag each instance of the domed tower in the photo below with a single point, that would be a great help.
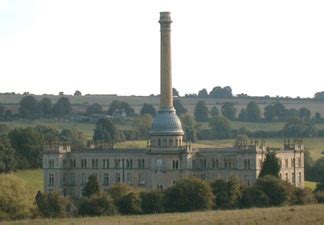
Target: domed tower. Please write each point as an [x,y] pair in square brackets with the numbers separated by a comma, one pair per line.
[166,130]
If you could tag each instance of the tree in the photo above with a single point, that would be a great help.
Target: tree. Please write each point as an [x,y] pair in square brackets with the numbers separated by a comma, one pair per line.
[203,93]
[52,204]
[77,93]
[229,110]
[253,113]
[188,195]
[130,204]
[97,205]
[254,197]
[45,107]
[227,194]
[298,128]
[118,191]
[292,114]
[214,111]
[148,109]
[271,165]
[318,116]
[7,155]
[62,107]
[175,92]
[180,109]
[219,92]
[152,201]
[73,136]
[201,111]
[143,124]
[105,131]
[269,113]
[308,165]
[318,170]
[28,144]
[28,107]
[242,115]
[304,113]
[94,108]
[127,109]
[189,127]
[303,196]
[279,192]
[91,187]
[2,111]
[220,127]
[16,199]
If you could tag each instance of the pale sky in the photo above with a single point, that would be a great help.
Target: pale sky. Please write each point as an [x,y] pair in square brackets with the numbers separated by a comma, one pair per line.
[257,47]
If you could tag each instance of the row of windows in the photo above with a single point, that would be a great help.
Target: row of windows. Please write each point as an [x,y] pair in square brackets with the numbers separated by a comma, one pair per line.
[227,164]
[166,142]
[293,177]
[118,163]
[285,163]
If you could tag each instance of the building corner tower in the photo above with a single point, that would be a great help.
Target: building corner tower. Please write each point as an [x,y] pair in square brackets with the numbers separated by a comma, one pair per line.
[166,129]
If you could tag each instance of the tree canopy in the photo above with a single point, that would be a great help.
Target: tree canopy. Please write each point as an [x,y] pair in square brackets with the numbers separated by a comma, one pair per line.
[271,165]
[201,111]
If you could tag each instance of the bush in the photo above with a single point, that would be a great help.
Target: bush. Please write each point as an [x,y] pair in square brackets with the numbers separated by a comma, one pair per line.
[130,204]
[253,197]
[118,191]
[319,196]
[152,202]
[188,195]
[91,187]
[16,199]
[303,196]
[98,205]
[52,204]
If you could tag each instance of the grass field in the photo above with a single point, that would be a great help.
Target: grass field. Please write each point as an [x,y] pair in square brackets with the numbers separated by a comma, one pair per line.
[34,178]
[293,215]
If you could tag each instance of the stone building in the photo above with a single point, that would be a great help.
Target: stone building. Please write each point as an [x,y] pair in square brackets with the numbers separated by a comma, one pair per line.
[167,158]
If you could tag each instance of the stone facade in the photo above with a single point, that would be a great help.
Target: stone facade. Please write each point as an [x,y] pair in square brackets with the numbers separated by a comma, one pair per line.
[167,158]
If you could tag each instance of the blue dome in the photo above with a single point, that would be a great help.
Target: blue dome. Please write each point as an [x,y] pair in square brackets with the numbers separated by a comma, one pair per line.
[166,122]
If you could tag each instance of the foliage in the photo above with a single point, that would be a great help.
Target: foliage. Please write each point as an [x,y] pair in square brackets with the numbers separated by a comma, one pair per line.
[303,197]
[201,111]
[188,195]
[219,92]
[220,127]
[278,191]
[242,115]
[120,107]
[28,107]
[203,93]
[271,165]
[180,109]
[189,127]
[94,108]
[73,136]
[304,113]
[227,194]
[52,204]
[62,107]
[308,165]
[130,204]
[105,131]
[214,111]
[318,170]
[16,200]
[253,197]
[77,93]
[148,109]
[152,201]
[143,124]
[45,107]
[298,128]
[97,205]
[175,92]
[92,186]
[253,113]
[229,110]
[28,144]
[118,191]
[7,155]
[275,111]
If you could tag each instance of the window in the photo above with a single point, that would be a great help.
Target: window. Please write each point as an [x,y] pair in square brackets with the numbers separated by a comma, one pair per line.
[105,163]
[292,163]
[141,164]
[95,163]
[106,179]
[72,179]
[129,163]
[286,163]
[51,179]
[84,163]
[293,177]
[64,178]
[299,177]
[51,163]
[83,178]
[141,179]
[299,162]
[117,178]
[175,164]
[287,178]
[129,178]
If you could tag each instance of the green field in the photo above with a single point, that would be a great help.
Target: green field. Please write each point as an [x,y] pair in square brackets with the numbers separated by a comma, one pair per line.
[34,178]
[292,215]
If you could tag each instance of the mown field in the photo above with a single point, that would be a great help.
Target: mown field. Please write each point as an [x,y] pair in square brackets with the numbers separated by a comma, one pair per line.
[291,215]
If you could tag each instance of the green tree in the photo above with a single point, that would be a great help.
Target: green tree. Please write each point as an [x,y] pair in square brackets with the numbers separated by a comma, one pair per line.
[308,165]
[148,109]
[304,113]
[118,191]
[188,195]
[180,109]
[52,204]
[97,205]
[73,136]
[2,111]
[271,165]
[292,114]
[303,196]
[229,110]
[190,128]
[219,92]
[62,107]
[16,199]
[298,128]
[94,108]
[28,107]
[105,131]
[201,111]
[91,187]
[77,93]
[214,111]
[253,113]
[220,127]
[279,192]
[45,107]
[175,92]
[152,201]
[130,204]
[203,93]
[7,155]
[143,124]
[242,115]
[129,111]
[254,197]
[318,170]
[318,116]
